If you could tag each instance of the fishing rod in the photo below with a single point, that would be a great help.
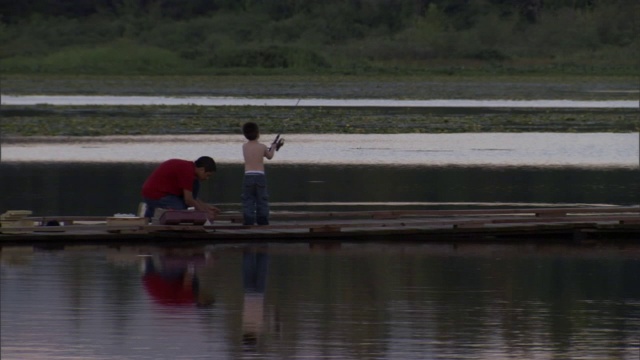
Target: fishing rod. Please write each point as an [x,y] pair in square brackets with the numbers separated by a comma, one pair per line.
[278,142]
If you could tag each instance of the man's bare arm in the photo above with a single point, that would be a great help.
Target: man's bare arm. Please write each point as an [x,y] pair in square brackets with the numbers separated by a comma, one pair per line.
[199,205]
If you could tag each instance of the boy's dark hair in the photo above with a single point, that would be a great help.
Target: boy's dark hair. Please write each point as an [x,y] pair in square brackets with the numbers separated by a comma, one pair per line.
[207,163]
[250,130]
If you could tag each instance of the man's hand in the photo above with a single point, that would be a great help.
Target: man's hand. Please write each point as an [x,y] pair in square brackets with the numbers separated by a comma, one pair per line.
[214,209]
[212,212]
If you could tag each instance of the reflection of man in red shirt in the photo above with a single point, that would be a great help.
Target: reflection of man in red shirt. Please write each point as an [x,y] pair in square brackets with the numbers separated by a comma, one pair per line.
[171,288]
[174,280]
[175,183]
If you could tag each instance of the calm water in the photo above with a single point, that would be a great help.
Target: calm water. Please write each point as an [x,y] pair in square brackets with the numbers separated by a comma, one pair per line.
[337,301]
[468,149]
[348,301]
[109,188]
[246,101]
[421,170]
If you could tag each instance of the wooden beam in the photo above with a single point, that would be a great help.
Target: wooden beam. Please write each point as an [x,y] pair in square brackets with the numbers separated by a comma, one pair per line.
[325,228]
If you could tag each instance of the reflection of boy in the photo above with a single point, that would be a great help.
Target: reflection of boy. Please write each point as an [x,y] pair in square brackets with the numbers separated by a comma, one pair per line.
[175,183]
[254,274]
[255,199]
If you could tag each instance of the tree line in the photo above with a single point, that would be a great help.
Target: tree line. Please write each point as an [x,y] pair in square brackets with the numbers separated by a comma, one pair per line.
[313,35]
[388,11]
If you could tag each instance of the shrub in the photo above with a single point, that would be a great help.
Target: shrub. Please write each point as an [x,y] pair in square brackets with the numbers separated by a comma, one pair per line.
[120,57]
[272,57]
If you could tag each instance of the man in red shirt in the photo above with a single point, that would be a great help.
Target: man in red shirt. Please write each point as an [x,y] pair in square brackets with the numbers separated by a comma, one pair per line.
[175,185]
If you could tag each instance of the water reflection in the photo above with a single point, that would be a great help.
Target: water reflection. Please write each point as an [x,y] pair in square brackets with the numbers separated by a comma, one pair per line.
[347,301]
[173,280]
[107,189]
[255,262]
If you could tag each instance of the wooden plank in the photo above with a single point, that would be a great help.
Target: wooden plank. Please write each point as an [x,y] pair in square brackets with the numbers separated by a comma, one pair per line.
[177,228]
[558,213]
[339,225]
[67,220]
[384,215]
[327,226]
[127,221]
[237,217]
[127,229]
[468,224]
[307,225]
[49,229]
[325,229]
[468,212]
[634,220]
[571,218]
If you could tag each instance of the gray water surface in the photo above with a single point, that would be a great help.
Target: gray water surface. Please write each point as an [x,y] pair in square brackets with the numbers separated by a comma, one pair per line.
[104,189]
[467,149]
[242,101]
[324,301]
[344,301]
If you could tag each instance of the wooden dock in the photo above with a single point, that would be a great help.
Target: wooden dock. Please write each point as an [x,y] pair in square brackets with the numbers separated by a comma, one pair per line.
[579,224]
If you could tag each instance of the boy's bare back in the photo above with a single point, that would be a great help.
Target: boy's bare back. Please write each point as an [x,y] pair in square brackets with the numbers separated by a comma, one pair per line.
[254,153]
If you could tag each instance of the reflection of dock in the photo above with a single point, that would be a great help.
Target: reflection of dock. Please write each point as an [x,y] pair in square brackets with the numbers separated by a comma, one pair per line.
[494,225]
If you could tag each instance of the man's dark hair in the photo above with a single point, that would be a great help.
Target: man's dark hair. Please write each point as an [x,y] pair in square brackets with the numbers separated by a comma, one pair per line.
[207,163]
[250,130]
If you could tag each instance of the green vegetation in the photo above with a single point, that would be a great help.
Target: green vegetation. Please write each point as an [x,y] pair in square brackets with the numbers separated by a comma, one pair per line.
[354,37]
[169,120]
[392,49]
[515,87]
[89,120]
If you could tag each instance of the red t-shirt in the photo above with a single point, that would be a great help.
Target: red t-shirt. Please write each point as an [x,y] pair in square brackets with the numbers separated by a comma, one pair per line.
[170,178]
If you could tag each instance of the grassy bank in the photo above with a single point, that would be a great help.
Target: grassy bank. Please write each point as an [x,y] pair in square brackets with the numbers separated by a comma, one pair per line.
[477,86]
[332,37]
[20,121]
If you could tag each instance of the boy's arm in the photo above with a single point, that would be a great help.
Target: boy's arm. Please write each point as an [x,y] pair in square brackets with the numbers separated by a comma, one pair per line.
[269,152]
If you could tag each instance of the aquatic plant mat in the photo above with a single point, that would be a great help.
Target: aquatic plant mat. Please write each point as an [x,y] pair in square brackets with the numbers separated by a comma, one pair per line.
[47,120]
[44,120]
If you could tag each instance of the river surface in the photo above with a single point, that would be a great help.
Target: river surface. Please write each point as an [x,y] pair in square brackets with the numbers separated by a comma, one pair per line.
[103,176]
[325,301]
[245,101]
[331,301]
[344,301]
[467,149]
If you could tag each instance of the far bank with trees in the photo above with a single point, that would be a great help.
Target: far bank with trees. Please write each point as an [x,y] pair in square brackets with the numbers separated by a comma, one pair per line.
[213,37]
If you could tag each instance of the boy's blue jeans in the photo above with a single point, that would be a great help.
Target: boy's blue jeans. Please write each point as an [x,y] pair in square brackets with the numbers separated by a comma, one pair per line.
[255,199]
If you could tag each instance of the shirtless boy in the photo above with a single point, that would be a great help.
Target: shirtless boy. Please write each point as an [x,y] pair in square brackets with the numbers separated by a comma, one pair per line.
[255,199]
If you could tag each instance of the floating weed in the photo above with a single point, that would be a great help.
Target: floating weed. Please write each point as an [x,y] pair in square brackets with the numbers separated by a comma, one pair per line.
[160,120]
